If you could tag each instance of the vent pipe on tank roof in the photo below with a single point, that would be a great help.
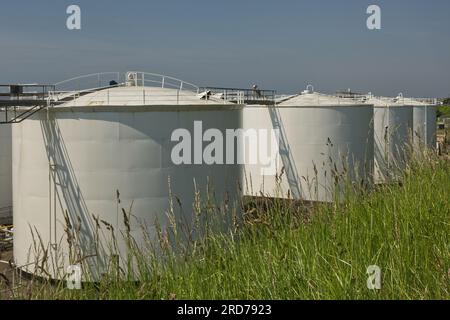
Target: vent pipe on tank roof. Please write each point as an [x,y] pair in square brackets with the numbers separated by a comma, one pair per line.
[131,79]
[399,97]
[309,89]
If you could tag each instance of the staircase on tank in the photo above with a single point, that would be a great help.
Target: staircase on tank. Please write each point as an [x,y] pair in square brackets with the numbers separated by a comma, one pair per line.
[20,101]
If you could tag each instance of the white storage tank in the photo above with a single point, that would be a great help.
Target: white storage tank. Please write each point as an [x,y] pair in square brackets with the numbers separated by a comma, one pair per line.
[393,122]
[424,123]
[112,149]
[322,141]
[5,172]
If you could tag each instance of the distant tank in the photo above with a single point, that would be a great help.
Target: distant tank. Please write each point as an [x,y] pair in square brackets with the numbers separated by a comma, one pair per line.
[393,121]
[323,140]
[424,123]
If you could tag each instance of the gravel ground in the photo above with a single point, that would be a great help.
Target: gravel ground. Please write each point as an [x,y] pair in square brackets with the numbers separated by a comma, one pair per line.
[6,274]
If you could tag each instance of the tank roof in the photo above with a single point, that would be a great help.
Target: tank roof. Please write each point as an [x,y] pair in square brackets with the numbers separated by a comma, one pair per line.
[414,102]
[385,101]
[308,99]
[399,101]
[137,96]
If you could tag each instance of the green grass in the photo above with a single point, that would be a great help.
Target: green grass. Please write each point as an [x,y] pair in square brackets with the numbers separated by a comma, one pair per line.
[287,252]
[443,111]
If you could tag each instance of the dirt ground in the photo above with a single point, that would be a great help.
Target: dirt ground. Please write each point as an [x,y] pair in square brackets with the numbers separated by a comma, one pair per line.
[5,256]
[6,273]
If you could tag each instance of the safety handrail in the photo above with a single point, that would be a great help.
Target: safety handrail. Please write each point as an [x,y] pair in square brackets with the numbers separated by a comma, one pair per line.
[133,78]
[98,74]
[180,84]
[241,96]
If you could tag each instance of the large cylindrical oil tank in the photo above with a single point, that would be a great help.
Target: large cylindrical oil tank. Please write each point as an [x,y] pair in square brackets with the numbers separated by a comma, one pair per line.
[393,122]
[76,165]
[424,123]
[323,143]
[5,172]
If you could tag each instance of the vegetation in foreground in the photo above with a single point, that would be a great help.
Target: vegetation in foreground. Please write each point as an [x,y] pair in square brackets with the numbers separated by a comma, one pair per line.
[443,111]
[287,252]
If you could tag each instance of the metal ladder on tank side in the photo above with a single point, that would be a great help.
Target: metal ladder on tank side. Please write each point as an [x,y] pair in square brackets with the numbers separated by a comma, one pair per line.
[285,153]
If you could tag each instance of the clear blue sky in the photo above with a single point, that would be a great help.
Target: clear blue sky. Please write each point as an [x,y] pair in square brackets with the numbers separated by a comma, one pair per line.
[278,44]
